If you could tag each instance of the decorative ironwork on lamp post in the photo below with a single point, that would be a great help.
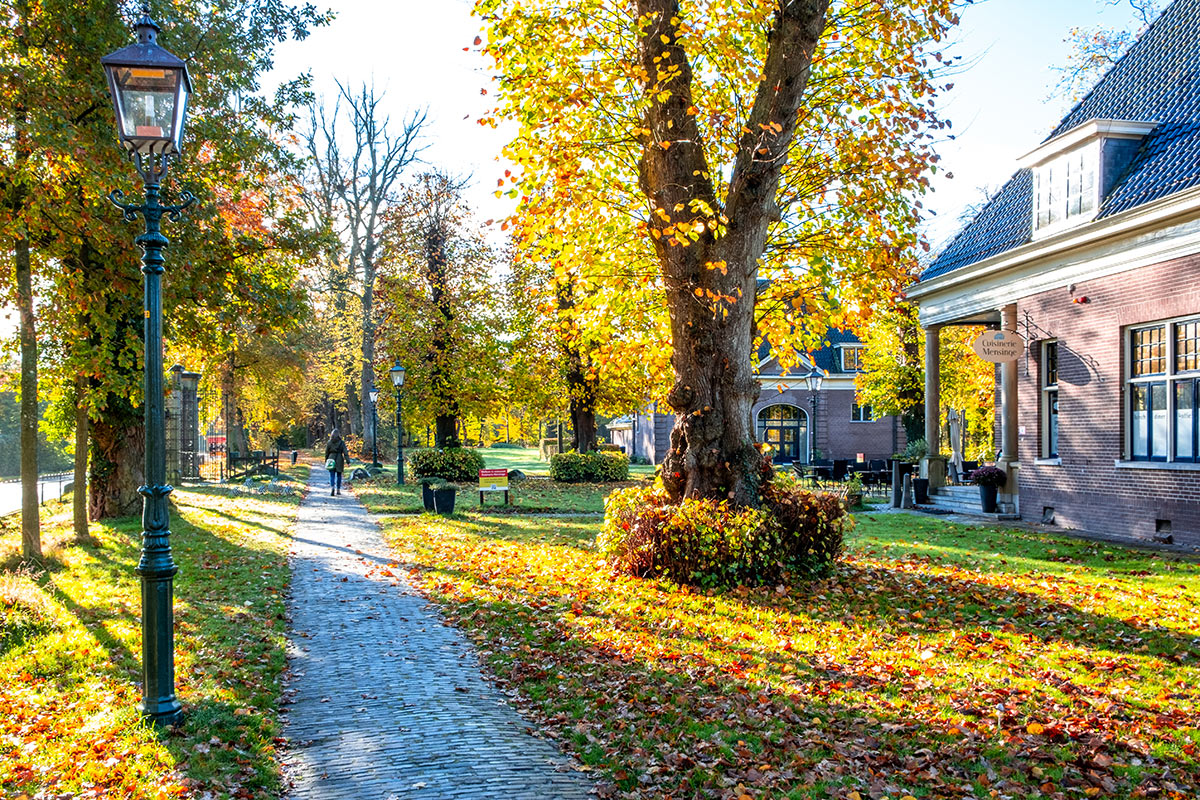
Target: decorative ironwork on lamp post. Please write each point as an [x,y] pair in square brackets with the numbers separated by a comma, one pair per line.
[813,378]
[150,89]
[397,375]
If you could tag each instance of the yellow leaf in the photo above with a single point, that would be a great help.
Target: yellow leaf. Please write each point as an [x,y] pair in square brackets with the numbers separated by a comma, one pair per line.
[1036,729]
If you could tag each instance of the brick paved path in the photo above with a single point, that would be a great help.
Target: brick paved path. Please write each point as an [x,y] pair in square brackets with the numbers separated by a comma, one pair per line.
[387,703]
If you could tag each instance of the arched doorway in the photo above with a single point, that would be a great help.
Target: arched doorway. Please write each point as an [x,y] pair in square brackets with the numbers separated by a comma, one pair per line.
[785,429]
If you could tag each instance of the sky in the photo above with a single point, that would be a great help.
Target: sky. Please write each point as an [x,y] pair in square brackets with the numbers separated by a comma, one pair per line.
[414,51]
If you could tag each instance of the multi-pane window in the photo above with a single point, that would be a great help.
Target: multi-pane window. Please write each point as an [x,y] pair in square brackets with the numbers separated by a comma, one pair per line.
[1049,399]
[1065,188]
[852,359]
[1164,391]
[862,413]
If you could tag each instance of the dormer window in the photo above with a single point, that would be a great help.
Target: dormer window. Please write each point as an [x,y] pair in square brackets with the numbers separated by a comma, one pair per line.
[1073,172]
[1064,189]
[852,357]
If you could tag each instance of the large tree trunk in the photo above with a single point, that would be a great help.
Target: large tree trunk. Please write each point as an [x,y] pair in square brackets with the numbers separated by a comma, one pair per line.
[442,345]
[368,349]
[582,385]
[117,462]
[31,535]
[79,493]
[711,281]
[235,435]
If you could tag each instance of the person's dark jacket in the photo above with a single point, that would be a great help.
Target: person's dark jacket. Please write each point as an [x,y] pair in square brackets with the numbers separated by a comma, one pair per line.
[336,449]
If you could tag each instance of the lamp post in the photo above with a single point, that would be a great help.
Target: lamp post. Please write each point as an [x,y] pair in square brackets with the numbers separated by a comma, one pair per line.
[813,378]
[374,395]
[397,373]
[150,89]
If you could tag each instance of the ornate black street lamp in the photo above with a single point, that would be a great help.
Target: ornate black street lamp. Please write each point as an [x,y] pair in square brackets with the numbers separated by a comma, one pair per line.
[813,379]
[397,373]
[150,89]
[374,395]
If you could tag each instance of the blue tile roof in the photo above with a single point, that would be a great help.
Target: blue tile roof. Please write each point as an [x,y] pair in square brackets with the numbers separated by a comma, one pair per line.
[1157,80]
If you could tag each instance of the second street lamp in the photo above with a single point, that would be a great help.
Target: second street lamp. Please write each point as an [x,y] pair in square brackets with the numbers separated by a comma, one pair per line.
[374,395]
[813,378]
[397,375]
[150,89]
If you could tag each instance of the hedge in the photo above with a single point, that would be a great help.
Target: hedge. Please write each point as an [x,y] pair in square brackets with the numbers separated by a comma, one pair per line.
[455,464]
[589,467]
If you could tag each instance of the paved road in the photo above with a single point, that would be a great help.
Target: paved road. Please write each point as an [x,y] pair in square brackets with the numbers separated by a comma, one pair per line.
[387,702]
[10,493]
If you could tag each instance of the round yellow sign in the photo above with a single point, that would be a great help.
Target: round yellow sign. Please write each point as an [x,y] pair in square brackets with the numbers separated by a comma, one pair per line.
[999,346]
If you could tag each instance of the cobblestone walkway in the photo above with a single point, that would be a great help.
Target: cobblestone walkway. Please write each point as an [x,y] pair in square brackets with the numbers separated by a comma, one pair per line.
[384,701]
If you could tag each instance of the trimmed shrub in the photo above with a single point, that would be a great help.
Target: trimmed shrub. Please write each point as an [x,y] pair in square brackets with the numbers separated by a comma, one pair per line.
[456,464]
[589,467]
[712,544]
[606,447]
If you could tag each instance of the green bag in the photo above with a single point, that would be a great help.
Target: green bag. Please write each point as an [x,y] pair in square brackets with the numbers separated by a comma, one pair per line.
[331,464]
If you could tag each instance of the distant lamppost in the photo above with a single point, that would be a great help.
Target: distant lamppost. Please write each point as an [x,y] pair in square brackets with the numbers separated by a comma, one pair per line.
[397,373]
[813,379]
[150,89]
[374,395]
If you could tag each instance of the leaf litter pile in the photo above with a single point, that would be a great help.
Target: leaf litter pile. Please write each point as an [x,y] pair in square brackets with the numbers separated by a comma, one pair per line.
[939,662]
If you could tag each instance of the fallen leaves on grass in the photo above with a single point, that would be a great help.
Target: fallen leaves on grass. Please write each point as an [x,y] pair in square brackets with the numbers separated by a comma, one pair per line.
[950,667]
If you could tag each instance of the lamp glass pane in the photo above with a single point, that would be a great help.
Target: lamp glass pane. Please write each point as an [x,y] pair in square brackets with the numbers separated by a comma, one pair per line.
[146,97]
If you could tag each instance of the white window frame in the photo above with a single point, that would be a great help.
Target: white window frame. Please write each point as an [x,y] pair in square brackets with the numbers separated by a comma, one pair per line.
[1171,377]
[1054,180]
[856,409]
[1049,397]
[842,356]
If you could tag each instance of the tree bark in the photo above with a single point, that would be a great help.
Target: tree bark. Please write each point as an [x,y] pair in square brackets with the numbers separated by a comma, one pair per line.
[711,281]
[368,348]
[117,462]
[442,344]
[31,535]
[79,493]
[18,201]
[582,385]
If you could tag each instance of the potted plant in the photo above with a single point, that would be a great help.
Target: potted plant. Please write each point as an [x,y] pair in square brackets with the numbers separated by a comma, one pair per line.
[989,480]
[854,491]
[438,495]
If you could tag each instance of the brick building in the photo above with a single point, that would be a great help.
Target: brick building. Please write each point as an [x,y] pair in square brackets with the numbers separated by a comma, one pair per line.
[1091,252]
[835,426]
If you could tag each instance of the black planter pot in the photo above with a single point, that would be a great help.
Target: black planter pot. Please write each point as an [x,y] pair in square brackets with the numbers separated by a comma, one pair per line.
[987,498]
[921,491]
[439,501]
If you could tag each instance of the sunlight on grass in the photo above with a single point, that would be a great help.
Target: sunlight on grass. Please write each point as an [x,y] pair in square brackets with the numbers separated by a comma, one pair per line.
[939,661]
[69,683]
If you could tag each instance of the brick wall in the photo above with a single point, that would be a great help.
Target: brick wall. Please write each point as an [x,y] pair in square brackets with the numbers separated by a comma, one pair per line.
[837,435]
[1087,491]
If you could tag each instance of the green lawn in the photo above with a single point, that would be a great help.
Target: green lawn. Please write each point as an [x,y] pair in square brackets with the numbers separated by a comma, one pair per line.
[941,661]
[70,653]
[535,495]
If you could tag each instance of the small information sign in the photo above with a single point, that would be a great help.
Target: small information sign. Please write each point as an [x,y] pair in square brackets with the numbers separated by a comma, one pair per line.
[493,480]
[999,347]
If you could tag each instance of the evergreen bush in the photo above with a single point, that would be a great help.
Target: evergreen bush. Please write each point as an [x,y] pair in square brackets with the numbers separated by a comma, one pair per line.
[455,464]
[589,467]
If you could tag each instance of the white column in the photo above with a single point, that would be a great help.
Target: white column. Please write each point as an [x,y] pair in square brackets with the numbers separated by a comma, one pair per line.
[1008,495]
[933,466]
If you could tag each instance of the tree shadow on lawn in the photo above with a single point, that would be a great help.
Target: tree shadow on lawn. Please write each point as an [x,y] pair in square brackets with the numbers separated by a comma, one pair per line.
[690,724]
[891,597]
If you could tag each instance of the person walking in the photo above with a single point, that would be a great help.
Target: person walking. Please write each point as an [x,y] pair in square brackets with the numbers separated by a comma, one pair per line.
[335,462]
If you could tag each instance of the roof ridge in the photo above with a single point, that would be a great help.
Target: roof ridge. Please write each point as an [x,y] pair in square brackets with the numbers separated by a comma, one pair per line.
[1104,79]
